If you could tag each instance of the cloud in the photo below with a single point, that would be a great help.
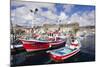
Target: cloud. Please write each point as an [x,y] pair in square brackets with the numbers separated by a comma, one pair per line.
[63,17]
[23,16]
[68,8]
[85,19]
[49,14]
[32,5]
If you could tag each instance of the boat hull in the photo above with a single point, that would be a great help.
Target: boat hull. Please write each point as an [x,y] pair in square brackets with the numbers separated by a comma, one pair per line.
[65,52]
[38,45]
[34,46]
[61,58]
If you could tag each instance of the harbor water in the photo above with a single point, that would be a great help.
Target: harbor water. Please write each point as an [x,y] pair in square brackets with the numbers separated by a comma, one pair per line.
[86,54]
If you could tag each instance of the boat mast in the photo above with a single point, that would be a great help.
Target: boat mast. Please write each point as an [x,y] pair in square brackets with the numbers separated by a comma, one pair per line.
[12,32]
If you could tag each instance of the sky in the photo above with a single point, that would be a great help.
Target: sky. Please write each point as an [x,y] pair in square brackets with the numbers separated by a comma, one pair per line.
[51,13]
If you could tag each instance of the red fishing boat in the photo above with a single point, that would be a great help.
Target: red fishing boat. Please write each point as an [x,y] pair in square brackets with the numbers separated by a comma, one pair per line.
[36,45]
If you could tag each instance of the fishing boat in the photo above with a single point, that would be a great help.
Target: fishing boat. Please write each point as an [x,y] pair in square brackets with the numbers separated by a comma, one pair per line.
[41,44]
[65,52]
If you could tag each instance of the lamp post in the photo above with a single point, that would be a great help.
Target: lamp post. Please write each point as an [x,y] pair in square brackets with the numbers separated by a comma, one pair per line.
[33,12]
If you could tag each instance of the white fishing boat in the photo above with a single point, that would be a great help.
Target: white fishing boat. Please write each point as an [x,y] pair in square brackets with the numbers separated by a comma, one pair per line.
[65,52]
